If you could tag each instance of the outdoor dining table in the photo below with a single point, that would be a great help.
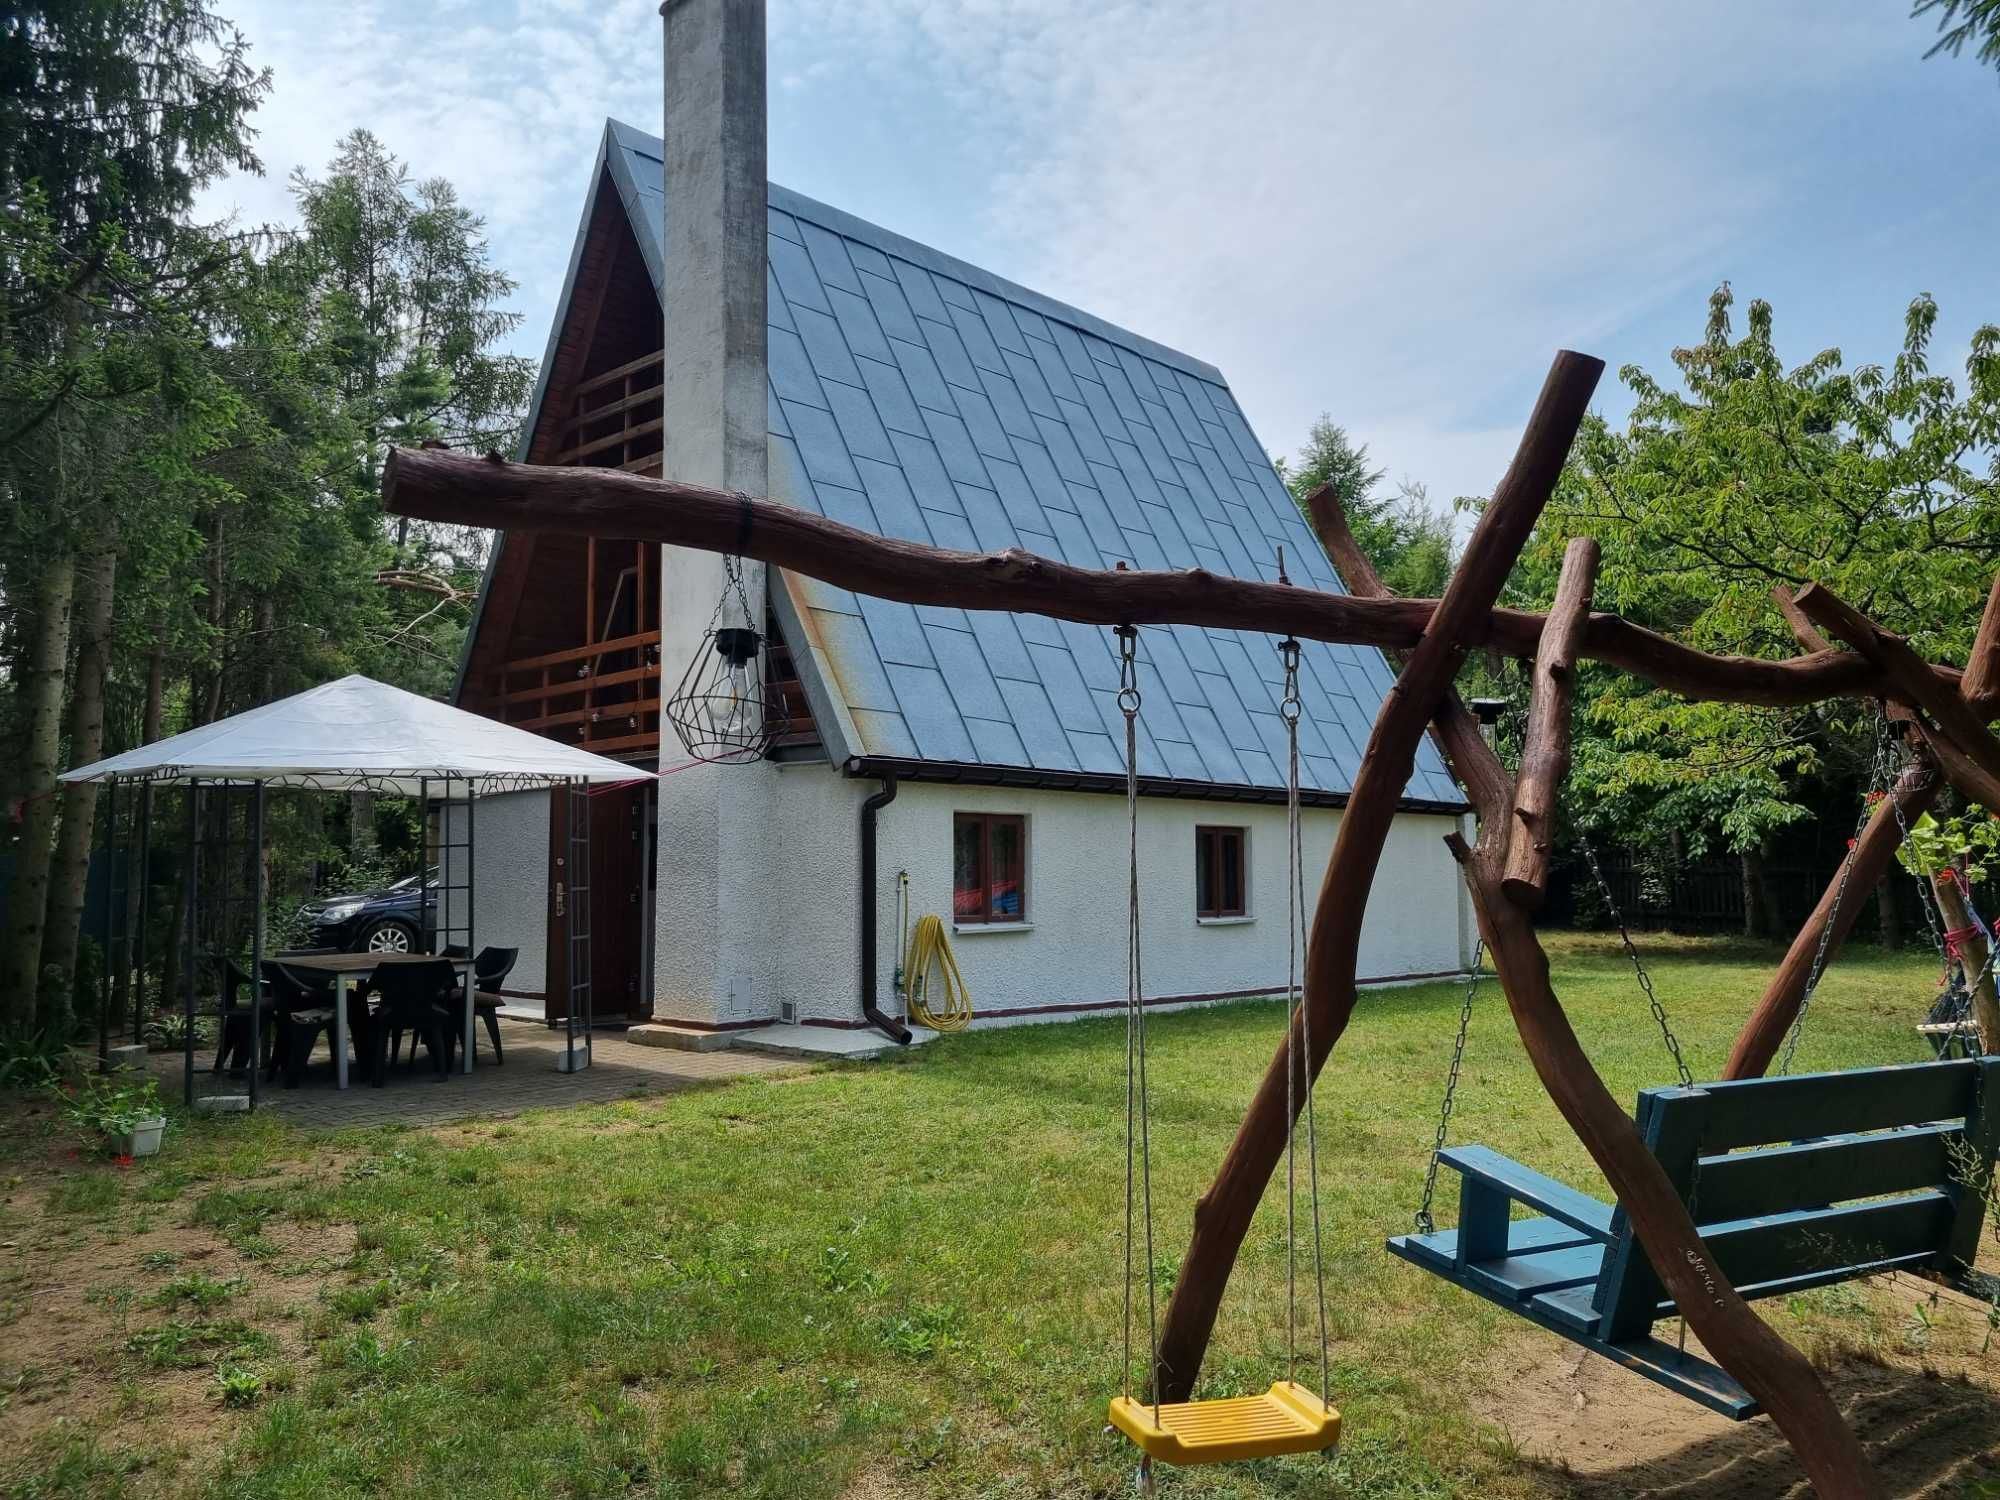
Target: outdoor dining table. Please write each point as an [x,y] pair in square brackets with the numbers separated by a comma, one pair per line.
[348,969]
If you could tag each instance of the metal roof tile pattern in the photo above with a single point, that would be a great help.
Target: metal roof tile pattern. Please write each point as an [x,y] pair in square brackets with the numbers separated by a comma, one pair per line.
[916,396]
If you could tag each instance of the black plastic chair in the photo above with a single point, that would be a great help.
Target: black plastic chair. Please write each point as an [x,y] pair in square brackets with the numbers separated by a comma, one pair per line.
[232,1048]
[303,1008]
[413,998]
[489,972]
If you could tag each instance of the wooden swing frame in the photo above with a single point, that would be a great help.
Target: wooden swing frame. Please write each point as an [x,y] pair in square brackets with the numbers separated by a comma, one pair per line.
[1944,714]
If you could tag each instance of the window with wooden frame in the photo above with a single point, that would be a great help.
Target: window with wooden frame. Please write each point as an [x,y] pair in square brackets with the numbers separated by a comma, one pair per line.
[1221,886]
[989,868]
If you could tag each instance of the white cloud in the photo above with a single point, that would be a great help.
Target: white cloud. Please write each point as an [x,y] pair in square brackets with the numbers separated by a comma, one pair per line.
[509,107]
[1392,213]
[1396,213]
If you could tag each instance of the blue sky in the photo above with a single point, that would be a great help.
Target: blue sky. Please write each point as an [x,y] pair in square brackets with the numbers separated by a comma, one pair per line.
[1392,213]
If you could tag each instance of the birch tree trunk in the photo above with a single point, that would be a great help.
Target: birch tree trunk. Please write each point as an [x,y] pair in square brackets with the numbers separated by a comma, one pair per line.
[41,746]
[69,878]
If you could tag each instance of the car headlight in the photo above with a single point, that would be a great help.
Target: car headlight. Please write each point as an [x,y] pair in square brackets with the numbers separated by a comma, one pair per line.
[340,911]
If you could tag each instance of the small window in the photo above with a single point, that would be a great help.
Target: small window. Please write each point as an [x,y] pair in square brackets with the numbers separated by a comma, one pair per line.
[988,867]
[1218,872]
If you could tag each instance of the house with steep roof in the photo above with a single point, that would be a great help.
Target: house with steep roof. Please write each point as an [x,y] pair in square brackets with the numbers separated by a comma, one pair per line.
[717,327]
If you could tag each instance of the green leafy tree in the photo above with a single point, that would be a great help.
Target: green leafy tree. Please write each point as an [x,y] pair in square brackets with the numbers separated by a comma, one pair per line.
[1880,481]
[113,113]
[1403,534]
[409,302]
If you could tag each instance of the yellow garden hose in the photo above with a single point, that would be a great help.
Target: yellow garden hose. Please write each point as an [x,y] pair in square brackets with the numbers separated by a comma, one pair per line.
[947,1005]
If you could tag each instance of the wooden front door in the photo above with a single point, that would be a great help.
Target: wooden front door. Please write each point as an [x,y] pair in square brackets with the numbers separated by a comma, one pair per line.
[619,908]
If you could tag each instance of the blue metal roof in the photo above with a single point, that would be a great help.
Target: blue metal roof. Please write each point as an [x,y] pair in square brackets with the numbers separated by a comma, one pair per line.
[916,396]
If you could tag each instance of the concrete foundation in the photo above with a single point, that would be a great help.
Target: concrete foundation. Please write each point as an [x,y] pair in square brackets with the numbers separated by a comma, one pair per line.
[678,1038]
[821,1042]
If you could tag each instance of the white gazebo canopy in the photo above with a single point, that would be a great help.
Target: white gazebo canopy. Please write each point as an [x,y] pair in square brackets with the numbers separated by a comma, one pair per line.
[355,734]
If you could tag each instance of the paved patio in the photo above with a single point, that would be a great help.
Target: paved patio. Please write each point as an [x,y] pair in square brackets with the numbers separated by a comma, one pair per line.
[527,1080]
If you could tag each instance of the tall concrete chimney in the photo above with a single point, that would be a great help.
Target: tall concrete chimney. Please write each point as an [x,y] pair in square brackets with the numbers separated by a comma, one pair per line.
[709,917]
[717,181]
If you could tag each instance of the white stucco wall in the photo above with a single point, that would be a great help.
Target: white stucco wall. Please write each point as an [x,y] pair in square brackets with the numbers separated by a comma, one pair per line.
[1072,949]
[1070,953]
[714,922]
[510,888]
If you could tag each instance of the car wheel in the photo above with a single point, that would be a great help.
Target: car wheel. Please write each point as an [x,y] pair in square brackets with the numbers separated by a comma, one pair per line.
[390,937]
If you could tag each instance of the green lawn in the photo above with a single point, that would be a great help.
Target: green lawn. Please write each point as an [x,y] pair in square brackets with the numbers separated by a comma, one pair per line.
[874,1281]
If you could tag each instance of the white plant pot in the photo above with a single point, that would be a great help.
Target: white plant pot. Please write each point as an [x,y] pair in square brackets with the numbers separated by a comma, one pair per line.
[143,1139]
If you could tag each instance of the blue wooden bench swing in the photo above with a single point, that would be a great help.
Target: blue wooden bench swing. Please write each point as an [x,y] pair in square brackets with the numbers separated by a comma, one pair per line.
[1794,1182]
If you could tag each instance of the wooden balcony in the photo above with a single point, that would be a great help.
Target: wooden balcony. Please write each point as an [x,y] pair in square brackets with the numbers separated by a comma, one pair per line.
[603,697]
[606,697]
[614,418]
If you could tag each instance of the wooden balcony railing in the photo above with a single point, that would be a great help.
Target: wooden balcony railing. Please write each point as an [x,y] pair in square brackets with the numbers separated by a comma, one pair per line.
[606,697]
[603,697]
[614,418]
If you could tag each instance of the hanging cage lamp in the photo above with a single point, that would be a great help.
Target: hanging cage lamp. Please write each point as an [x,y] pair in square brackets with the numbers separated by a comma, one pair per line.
[723,709]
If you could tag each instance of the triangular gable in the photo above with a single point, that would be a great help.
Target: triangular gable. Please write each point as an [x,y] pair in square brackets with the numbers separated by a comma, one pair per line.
[916,396]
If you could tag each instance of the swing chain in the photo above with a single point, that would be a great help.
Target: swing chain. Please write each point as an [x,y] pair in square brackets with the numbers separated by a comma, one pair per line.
[1137,1113]
[1291,706]
[1297,929]
[1877,776]
[1638,968]
[1425,1223]
[1926,898]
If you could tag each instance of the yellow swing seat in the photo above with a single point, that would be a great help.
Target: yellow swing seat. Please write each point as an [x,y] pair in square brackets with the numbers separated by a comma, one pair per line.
[1287,1418]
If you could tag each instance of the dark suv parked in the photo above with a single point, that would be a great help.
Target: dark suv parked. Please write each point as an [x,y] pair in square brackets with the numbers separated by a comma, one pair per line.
[390,920]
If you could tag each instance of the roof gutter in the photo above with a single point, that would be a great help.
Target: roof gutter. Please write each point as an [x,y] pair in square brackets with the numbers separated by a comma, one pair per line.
[888,1026]
[960,773]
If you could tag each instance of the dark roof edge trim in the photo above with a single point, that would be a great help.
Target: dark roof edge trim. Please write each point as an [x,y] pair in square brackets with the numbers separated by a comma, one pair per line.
[963,774]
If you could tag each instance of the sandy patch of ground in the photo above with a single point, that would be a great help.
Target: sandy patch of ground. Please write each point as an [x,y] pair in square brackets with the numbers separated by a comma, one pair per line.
[1929,1417]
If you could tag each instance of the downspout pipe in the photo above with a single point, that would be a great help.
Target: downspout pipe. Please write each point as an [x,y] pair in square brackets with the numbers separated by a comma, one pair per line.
[895,1030]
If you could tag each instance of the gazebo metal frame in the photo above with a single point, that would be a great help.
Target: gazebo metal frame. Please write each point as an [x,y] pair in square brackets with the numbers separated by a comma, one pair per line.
[126,923]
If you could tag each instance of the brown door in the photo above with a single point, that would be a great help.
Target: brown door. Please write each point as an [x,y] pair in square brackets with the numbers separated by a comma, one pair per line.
[616,892]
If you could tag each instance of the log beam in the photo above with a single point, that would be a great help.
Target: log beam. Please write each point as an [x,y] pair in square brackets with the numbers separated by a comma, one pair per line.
[1907,672]
[1454,729]
[1545,749]
[1981,686]
[1970,779]
[1808,635]
[438,485]
[1222,1215]
[1841,903]
[1967,942]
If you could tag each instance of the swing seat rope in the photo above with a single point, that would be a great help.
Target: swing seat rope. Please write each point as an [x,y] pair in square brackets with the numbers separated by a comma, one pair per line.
[1289,1417]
